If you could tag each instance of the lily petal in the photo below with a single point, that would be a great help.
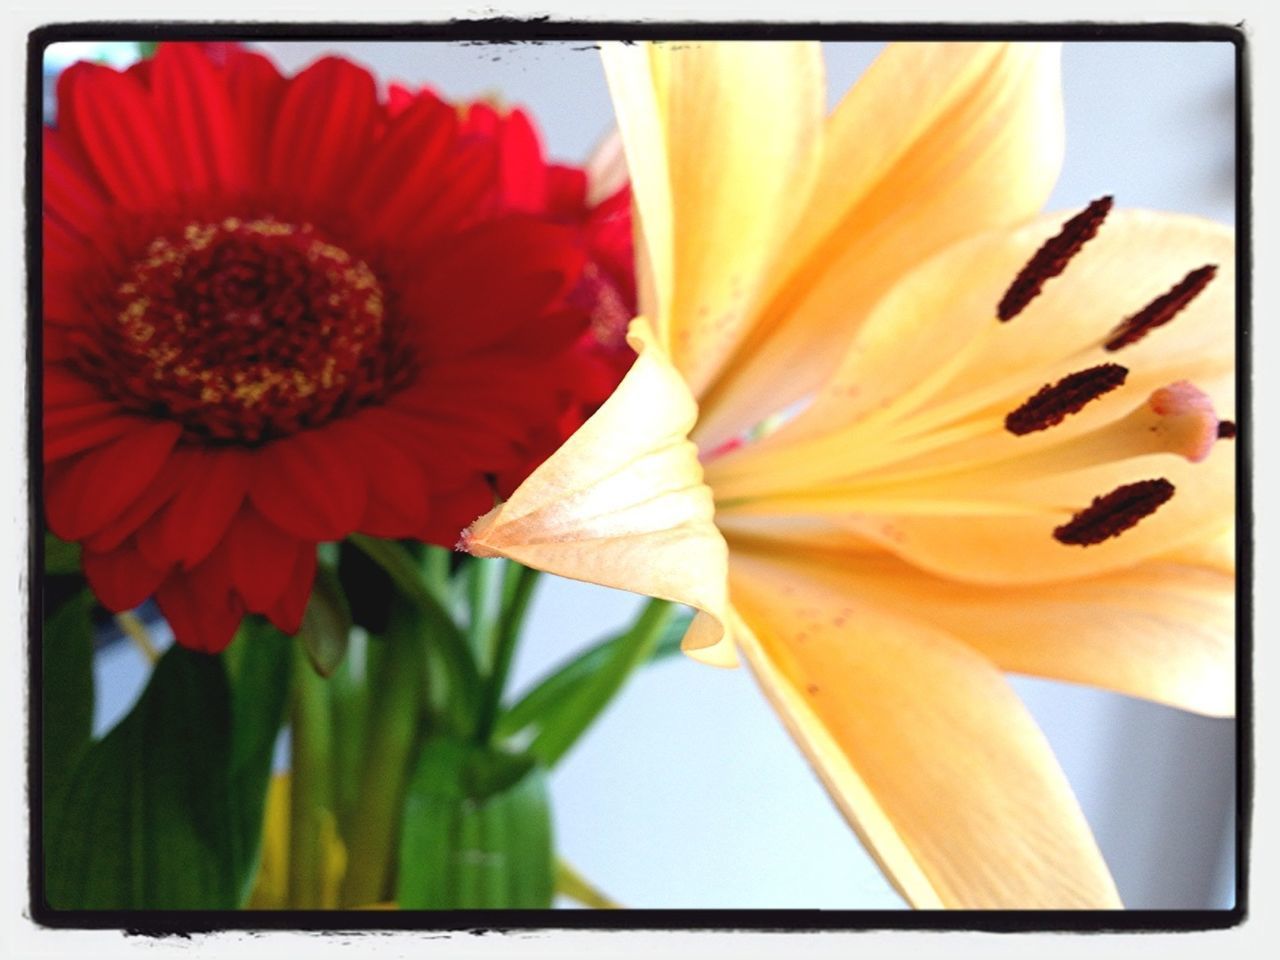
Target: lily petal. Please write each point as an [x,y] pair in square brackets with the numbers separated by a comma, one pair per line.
[640,114]
[889,711]
[733,207]
[1162,631]
[1216,553]
[606,169]
[622,504]
[937,142]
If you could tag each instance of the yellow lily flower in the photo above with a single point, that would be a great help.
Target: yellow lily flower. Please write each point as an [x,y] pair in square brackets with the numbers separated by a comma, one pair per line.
[933,518]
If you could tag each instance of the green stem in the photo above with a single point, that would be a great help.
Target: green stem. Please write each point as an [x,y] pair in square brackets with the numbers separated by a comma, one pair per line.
[445,635]
[311,789]
[393,719]
[517,590]
[480,625]
[435,566]
[572,884]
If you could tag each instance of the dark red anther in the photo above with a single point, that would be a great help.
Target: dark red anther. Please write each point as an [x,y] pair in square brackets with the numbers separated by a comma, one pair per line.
[1162,309]
[1054,403]
[1226,430]
[1052,258]
[1112,514]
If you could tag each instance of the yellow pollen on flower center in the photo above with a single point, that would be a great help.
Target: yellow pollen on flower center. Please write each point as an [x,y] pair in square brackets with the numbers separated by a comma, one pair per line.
[248,328]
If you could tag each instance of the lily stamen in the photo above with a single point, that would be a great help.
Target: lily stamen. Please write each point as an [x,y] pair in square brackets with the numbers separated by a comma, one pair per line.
[1055,402]
[1112,514]
[1162,309]
[1052,258]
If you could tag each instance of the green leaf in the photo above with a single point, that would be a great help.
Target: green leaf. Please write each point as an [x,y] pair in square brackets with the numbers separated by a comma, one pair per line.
[561,726]
[258,667]
[553,695]
[67,673]
[60,556]
[165,812]
[476,831]
[326,623]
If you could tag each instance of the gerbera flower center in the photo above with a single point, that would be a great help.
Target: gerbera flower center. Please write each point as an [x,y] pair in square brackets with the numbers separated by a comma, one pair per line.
[248,329]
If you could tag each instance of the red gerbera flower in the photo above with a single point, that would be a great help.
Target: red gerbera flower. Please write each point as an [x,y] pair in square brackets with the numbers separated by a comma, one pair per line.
[278,311]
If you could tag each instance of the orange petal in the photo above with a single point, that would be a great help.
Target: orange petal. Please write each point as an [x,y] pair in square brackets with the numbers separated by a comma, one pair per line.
[622,504]
[924,747]
[741,126]
[1163,630]
[639,110]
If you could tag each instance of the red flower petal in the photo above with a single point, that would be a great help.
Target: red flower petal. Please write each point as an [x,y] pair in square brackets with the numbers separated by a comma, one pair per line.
[171,478]
[57,346]
[62,388]
[117,129]
[66,416]
[397,484]
[194,109]
[121,579]
[262,559]
[566,191]
[403,175]
[140,70]
[201,605]
[322,131]
[256,89]
[64,250]
[307,485]
[82,497]
[399,99]
[454,512]
[539,262]
[149,538]
[465,193]
[288,610]
[521,166]
[69,435]
[198,517]
[70,191]
[470,446]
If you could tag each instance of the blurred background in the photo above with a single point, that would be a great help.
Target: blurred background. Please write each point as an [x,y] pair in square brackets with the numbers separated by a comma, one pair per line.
[688,793]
